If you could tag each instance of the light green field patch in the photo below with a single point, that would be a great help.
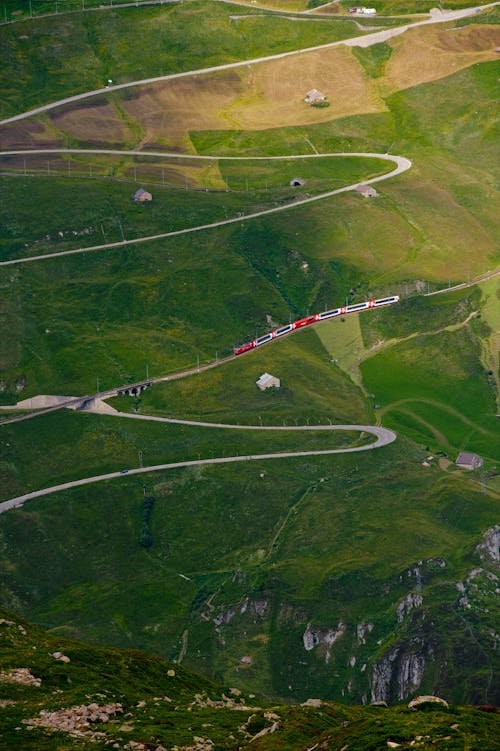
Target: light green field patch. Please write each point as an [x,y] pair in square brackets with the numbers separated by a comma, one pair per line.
[490,311]
[343,341]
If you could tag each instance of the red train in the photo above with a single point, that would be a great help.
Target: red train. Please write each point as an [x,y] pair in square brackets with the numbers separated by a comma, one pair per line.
[314,319]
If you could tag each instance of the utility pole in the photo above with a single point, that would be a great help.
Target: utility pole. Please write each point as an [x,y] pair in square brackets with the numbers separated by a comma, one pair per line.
[97,384]
[121,228]
[147,372]
[140,459]
[198,363]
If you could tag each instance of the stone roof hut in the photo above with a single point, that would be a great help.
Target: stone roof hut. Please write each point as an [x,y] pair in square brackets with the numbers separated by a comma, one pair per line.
[267,381]
[367,191]
[142,195]
[314,96]
[467,460]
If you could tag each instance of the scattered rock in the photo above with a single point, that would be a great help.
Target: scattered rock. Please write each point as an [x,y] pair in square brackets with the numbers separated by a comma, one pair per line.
[20,675]
[75,720]
[379,704]
[312,703]
[60,656]
[171,673]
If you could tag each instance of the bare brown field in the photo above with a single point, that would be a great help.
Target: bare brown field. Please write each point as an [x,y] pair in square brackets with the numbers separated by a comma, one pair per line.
[29,134]
[95,122]
[428,53]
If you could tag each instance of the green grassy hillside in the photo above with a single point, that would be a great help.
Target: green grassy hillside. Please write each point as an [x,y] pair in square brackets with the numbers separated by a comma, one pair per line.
[250,559]
[131,698]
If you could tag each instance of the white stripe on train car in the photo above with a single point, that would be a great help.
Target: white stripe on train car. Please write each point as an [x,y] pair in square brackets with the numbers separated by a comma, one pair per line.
[328,314]
[263,339]
[283,330]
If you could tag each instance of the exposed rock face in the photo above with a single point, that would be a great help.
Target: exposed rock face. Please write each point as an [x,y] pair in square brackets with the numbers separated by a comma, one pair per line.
[314,637]
[398,673]
[410,674]
[361,630]
[490,546]
[410,602]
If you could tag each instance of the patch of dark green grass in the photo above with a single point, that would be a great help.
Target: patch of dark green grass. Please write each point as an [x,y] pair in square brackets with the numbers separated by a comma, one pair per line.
[374,58]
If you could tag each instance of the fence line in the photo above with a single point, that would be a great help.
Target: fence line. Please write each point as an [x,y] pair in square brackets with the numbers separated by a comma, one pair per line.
[85,6]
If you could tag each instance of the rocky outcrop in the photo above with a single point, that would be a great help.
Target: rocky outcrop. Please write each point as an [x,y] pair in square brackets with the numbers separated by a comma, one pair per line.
[75,720]
[325,638]
[361,630]
[410,602]
[419,700]
[60,656]
[490,545]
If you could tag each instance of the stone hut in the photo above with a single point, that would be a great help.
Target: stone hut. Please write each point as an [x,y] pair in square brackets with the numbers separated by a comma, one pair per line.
[314,96]
[142,196]
[467,460]
[366,191]
[267,381]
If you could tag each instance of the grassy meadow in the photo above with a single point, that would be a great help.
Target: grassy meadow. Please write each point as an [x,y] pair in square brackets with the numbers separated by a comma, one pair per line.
[243,558]
[257,559]
[133,43]
[74,212]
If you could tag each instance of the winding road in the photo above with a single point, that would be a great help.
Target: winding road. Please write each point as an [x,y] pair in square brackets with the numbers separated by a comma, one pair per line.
[383,436]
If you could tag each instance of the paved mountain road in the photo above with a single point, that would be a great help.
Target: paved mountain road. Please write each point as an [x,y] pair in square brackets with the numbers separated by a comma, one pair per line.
[384,437]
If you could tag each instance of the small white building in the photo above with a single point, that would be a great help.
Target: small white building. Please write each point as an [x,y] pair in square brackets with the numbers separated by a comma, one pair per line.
[467,460]
[267,381]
